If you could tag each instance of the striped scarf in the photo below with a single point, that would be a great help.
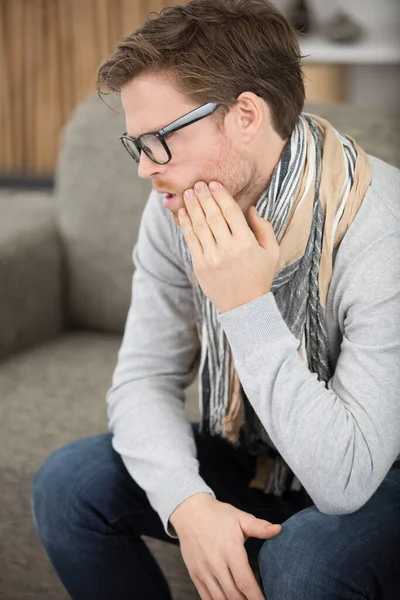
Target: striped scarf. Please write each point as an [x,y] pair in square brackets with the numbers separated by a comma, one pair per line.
[314,194]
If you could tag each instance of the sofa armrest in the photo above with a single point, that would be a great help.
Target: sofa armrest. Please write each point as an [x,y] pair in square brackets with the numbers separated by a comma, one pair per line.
[30,270]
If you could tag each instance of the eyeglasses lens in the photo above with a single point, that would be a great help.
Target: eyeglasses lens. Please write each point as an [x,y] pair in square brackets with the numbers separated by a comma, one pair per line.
[131,148]
[154,148]
[151,145]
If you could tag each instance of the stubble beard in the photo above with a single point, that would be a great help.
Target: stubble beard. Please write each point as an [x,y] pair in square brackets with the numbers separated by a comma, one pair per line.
[237,173]
[246,185]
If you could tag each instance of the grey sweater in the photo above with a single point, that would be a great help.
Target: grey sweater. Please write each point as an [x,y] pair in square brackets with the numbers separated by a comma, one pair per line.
[339,441]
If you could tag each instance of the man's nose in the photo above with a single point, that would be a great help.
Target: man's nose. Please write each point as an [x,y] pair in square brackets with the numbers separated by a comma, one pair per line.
[147,168]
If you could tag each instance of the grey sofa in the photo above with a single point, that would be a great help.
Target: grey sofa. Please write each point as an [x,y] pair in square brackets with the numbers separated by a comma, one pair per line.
[65,286]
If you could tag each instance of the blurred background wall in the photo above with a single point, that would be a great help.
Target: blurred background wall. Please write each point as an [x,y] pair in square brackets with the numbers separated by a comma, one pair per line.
[50,50]
[365,72]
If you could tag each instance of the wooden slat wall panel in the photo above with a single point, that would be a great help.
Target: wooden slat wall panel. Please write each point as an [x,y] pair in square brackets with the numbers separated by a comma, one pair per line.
[132,13]
[115,21]
[49,90]
[15,48]
[85,48]
[103,40]
[49,54]
[31,27]
[5,104]
[41,99]
[67,58]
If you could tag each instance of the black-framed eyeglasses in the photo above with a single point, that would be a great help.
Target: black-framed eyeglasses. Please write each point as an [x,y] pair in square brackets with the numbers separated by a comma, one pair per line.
[153,143]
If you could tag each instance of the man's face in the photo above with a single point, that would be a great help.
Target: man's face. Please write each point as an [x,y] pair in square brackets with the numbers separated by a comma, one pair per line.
[202,151]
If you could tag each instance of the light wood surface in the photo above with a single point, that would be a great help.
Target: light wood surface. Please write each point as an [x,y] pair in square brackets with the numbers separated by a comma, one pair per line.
[49,54]
[325,82]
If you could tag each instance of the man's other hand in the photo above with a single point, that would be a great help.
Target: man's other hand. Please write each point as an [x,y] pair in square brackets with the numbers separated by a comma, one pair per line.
[212,536]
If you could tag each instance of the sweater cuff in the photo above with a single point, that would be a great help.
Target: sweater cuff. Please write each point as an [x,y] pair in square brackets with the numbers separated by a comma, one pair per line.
[172,491]
[254,324]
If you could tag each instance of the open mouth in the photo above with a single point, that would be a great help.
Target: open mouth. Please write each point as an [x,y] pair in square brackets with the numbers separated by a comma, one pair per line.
[168,200]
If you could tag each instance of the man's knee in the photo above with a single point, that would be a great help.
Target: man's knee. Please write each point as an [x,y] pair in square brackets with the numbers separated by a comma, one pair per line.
[299,562]
[60,487]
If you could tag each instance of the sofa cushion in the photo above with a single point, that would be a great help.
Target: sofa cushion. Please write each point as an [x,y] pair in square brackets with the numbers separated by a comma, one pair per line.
[100,199]
[30,270]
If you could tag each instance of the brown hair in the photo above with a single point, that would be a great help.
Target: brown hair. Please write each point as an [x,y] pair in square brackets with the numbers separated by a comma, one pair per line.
[217,49]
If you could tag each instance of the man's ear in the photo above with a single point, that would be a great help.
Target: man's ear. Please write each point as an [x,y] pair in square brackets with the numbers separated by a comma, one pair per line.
[248,114]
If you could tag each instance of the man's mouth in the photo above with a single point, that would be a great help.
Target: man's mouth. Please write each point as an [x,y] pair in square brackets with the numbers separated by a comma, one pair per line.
[169,201]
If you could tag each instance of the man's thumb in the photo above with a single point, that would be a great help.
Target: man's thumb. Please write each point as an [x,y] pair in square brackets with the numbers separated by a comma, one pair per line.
[259,528]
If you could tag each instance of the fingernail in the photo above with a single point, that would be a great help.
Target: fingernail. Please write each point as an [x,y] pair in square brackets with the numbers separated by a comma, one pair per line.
[214,185]
[188,195]
[199,186]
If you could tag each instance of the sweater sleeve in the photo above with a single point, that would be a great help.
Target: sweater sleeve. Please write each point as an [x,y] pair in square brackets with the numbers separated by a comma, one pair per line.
[339,440]
[157,360]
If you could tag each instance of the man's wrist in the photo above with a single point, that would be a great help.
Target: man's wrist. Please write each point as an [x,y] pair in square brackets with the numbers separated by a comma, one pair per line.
[187,507]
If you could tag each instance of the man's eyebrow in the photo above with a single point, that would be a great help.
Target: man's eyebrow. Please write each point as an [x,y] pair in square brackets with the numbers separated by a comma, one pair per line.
[135,137]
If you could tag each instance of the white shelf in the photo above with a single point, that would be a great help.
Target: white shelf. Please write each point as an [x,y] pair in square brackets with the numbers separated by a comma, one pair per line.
[372,49]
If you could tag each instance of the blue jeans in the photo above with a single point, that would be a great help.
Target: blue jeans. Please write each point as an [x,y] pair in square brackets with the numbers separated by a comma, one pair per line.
[91,515]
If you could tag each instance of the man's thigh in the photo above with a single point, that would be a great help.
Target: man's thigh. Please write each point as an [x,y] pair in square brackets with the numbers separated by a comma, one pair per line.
[322,557]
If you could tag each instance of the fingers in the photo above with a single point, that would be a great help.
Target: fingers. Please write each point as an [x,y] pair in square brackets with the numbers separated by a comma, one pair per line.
[230,209]
[215,590]
[198,217]
[203,590]
[231,579]
[214,214]
[228,584]
[211,590]
[244,576]
[195,247]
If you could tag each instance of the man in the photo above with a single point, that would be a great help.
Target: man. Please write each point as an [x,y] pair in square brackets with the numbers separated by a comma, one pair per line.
[267,261]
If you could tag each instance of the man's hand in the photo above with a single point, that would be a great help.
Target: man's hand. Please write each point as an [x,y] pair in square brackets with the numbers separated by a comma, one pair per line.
[233,265]
[212,536]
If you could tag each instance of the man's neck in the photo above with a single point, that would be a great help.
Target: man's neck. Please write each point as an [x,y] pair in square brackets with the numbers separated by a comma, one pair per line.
[259,182]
